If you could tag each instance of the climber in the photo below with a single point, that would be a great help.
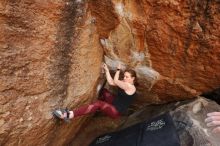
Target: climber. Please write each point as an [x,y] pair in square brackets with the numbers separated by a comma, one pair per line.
[213,120]
[112,106]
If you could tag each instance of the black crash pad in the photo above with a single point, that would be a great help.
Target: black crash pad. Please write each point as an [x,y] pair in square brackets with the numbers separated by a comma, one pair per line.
[159,131]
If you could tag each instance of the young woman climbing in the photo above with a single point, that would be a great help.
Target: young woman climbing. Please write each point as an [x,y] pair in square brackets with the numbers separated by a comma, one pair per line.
[112,106]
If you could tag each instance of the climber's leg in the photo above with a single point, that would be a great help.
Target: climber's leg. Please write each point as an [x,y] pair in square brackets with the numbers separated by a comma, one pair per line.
[104,107]
[106,96]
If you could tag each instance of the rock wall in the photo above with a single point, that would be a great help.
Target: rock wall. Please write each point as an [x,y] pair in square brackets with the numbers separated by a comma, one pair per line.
[51,52]
[48,52]
[173,45]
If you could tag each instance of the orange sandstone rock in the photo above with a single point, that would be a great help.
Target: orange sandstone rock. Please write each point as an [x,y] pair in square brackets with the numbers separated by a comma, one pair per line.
[51,53]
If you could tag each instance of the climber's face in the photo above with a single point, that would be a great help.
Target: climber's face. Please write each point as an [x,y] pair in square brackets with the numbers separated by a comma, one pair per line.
[128,78]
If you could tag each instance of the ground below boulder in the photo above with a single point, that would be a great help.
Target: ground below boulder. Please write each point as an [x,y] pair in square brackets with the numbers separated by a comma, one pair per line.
[188,117]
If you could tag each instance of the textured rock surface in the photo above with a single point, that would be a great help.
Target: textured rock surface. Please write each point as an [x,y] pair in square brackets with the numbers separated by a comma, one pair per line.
[51,52]
[174,46]
[48,52]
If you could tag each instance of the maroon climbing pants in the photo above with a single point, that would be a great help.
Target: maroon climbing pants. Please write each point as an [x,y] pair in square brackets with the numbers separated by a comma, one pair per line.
[104,105]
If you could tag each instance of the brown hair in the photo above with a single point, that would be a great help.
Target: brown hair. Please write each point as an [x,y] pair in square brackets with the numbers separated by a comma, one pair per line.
[133,74]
